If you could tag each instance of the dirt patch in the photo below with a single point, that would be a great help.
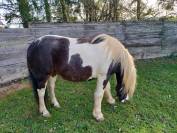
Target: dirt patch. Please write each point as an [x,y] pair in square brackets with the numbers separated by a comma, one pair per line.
[6,90]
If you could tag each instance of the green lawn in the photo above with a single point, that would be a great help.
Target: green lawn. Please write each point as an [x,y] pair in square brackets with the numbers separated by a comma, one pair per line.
[153,108]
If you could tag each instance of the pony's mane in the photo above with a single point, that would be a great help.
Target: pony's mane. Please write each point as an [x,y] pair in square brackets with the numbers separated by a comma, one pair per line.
[120,54]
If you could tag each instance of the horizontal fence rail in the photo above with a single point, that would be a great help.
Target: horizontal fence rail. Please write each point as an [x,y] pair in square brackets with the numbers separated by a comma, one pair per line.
[143,39]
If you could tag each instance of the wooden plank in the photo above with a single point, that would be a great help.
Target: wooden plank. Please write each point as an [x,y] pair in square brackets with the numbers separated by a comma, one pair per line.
[16,38]
[13,49]
[147,52]
[16,30]
[143,27]
[143,39]
[143,42]
[13,72]
[11,62]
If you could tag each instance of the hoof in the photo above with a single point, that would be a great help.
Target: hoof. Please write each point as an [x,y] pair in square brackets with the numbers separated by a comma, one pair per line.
[98,116]
[46,114]
[57,105]
[126,99]
[111,101]
[100,119]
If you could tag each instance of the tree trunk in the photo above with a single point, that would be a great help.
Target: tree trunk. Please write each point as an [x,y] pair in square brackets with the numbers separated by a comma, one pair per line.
[47,11]
[138,10]
[115,10]
[89,10]
[64,11]
[110,10]
[24,10]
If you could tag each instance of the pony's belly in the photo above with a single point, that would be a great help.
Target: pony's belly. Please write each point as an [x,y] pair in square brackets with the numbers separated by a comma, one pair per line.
[76,74]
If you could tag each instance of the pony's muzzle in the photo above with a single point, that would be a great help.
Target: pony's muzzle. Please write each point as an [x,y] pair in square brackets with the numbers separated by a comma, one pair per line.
[122,95]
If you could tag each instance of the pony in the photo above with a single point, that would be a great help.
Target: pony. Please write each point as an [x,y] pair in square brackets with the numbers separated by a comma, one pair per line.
[81,59]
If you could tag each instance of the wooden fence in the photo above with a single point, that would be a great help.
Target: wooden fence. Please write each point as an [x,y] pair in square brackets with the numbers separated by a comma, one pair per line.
[143,39]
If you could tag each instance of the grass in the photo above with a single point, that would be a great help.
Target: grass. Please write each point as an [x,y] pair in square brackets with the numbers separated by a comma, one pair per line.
[152,109]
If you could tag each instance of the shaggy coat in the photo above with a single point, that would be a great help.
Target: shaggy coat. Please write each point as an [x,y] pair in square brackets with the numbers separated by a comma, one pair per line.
[81,59]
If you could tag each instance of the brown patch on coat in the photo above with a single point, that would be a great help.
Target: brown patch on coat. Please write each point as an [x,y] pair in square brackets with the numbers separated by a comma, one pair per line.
[84,40]
[49,57]
[74,71]
[88,39]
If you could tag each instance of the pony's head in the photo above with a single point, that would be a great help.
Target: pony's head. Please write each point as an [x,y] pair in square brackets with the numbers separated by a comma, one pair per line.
[126,76]
[122,65]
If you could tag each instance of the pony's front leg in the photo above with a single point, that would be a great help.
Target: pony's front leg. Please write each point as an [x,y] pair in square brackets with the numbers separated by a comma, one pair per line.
[54,101]
[98,96]
[108,94]
[42,107]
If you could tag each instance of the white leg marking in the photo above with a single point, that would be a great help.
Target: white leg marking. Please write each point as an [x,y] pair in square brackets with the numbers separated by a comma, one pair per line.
[42,107]
[108,95]
[54,101]
[126,99]
[98,96]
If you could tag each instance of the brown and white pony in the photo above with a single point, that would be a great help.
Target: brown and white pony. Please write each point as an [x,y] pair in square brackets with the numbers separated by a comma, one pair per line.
[81,59]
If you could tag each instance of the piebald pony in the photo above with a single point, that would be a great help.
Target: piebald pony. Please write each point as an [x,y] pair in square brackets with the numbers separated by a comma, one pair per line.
[81,59]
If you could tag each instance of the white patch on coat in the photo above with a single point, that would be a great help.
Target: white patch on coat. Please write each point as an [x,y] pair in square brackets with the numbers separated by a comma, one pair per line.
[126,99]
[93,55]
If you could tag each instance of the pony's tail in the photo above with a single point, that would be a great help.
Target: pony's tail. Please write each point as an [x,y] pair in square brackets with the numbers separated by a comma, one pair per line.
[34,84]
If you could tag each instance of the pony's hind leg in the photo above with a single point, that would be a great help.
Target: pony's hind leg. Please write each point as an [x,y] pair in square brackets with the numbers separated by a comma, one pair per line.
[98,96]
[42,107]
[108,95]
[54,101]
